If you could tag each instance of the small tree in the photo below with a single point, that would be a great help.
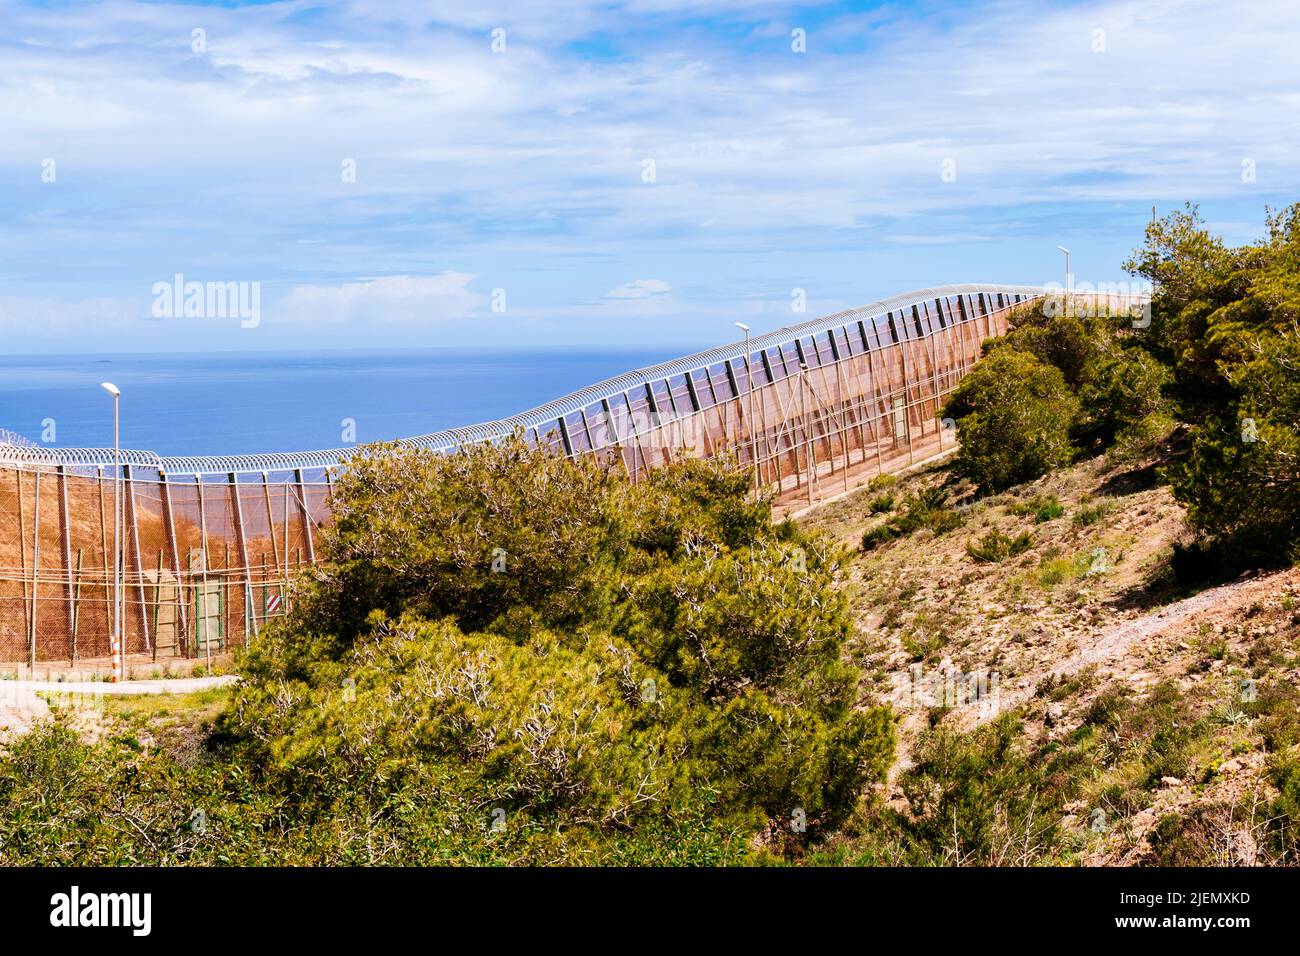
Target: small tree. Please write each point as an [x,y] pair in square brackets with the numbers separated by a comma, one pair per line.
[1013,415]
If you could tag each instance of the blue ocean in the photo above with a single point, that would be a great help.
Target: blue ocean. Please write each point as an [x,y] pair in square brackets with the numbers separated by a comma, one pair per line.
[236,402]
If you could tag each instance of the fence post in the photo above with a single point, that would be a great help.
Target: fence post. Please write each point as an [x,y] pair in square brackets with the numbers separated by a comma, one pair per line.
[76,608]
[36,568]
[306,518]
[157,601]
[66,533]
[201,610]
[133,520]
[270,521]
[242,544]
[22,550]
[103,551]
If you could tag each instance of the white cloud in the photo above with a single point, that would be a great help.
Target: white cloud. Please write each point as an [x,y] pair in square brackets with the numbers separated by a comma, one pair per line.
[33,317]
[640,289]
[528,164]
[384,300]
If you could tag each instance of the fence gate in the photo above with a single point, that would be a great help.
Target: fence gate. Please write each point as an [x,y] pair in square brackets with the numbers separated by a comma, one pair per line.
[209,607]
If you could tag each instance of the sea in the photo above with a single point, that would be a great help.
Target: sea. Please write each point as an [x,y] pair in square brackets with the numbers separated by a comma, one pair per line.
[244,403]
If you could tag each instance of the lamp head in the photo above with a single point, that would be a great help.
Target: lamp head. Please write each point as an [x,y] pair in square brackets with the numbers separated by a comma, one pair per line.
[1063,249]
[110,388]
[742,326]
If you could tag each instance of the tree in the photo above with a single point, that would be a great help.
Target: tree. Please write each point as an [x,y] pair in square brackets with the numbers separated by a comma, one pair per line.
[1122,396]
[1228,319]
[508,629]
[1013,414]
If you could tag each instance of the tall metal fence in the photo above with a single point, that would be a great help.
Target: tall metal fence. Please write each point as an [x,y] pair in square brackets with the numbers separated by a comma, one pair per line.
[210,544]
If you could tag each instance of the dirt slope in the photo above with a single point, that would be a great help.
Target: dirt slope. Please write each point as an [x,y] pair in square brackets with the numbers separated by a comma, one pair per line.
[1088,609]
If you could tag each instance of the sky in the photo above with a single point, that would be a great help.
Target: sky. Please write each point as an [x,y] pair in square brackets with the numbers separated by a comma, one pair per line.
[562,173]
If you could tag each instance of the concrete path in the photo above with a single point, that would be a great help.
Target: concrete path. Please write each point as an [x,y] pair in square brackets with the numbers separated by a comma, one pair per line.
[173,685]
[22,704]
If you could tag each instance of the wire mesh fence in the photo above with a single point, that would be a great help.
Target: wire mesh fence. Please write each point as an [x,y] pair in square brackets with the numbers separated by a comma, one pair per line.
[210,546]
[206,561]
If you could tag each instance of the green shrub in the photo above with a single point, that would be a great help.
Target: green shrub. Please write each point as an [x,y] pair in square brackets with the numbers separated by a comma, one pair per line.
[978,798]
[1013,416]
[1284,774]
[1090,514]
[881,504]
[668,620]
[505,657]
[996,546]
[1123,397]
[881,534]
[1042,507]
[1225,319]
[926,508]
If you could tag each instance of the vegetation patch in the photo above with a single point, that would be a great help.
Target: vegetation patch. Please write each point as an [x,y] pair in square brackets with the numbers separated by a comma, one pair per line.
[925,508]
[996,546]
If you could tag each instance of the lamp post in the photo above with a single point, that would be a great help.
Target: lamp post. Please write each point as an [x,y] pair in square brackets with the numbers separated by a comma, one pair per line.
[116,644]
[753,434]
[1067,268]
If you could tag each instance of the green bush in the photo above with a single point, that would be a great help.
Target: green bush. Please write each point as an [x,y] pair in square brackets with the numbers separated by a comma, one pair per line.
[881,504]
[1013,415]
[978,798]
[1022,422]
[1123,397]
[1090,514]
[926,508]
[1241,481]
[540,636]
[1284,773]
[1042,507]
[996,546]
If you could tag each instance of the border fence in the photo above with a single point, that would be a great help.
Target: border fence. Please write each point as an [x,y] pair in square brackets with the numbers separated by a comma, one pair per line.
[211,544]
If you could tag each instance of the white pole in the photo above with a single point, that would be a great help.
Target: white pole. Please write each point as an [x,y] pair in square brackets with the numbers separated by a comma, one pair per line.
[119,661]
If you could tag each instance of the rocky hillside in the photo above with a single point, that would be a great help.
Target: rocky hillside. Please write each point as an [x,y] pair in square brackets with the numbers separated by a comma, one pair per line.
[1154,717]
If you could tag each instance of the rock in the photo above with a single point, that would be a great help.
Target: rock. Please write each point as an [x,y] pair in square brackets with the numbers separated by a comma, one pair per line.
[1054,714]
[1170,782]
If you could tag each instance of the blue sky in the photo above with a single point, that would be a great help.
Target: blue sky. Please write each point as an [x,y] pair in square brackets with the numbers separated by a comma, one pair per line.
[524,169]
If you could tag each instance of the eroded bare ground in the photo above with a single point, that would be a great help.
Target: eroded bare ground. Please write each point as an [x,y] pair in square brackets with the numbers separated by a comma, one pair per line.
[1087,609]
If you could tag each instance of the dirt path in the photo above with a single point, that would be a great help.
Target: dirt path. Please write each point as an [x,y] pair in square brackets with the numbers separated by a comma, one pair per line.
[1117,649]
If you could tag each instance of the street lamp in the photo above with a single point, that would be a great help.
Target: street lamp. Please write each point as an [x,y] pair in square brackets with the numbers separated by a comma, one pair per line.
[116,644]
[1067,268]
[753,433]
